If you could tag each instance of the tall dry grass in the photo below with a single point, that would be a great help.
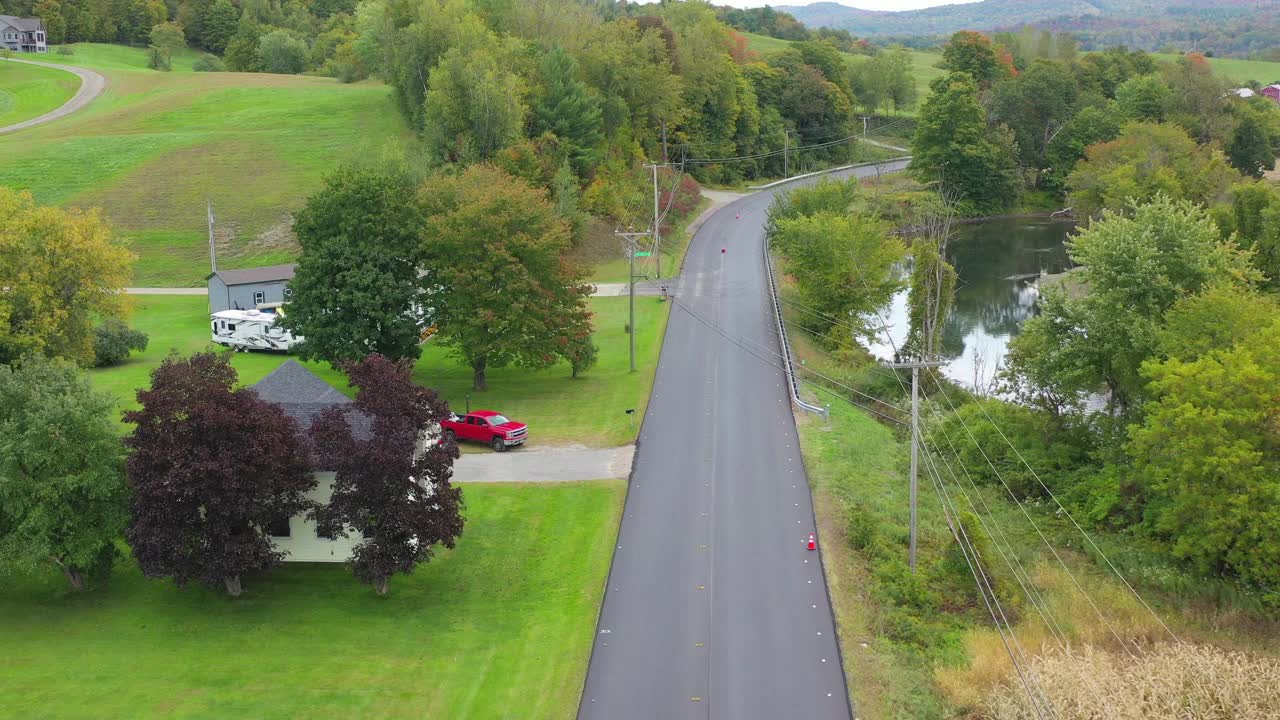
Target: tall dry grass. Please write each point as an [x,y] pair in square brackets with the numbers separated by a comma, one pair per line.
[1175,681]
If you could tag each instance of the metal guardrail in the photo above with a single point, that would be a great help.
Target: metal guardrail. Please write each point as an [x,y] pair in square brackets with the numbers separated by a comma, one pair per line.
[788,363]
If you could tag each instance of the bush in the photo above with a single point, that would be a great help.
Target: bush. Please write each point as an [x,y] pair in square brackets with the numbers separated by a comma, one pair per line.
[208,63]
[282,53]
[113,340]
[158,59]
[65,50]
[1194,682]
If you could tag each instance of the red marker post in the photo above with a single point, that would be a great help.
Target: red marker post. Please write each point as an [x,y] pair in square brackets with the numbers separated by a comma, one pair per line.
[721,251]
[813,542]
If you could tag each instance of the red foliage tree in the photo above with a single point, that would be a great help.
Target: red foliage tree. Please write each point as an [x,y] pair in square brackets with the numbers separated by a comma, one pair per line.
[210,468]
[391,485]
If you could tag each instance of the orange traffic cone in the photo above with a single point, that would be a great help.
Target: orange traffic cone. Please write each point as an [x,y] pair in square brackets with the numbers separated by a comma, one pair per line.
[813,542]
[721,251]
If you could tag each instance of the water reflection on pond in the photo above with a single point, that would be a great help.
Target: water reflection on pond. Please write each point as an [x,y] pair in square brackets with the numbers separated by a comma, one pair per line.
[998,262]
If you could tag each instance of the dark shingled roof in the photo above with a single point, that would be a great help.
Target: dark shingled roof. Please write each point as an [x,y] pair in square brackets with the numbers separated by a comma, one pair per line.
[270,273]
[23,24]
[304,396]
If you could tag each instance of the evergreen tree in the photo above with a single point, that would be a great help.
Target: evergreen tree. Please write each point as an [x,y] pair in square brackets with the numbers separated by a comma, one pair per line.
[567,108]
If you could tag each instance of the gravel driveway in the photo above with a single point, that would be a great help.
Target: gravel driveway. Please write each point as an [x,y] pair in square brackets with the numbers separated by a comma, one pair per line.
[91,86]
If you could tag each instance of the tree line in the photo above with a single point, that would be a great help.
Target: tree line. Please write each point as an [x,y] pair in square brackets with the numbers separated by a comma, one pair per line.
[1002,125]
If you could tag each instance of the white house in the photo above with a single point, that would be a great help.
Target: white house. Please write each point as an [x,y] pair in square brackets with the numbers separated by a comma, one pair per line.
[22,34]
[303,397]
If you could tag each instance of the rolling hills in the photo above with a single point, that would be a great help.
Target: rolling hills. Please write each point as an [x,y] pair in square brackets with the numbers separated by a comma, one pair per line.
[1231,27]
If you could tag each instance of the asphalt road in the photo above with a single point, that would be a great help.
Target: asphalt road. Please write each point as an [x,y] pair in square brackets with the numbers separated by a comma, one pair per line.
[715,609]
[91,86]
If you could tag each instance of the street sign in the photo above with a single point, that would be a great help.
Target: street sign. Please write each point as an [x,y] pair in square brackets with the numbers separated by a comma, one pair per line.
[643,253]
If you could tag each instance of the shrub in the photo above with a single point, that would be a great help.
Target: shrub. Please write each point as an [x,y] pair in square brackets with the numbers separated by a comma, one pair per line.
[282,53]
[65,50]
[208,63]
[113,340]
[1193,682]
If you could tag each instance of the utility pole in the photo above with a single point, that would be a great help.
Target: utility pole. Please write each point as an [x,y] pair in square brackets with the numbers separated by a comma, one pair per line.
[865,118]
[630,237]
[657,233]
[915,441]
[213,252]
[786,147]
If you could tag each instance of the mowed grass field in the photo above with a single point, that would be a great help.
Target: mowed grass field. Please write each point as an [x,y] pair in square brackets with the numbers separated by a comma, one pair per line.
[29,91]
[1240,71]
[559,409]
[156,146]
[500,627]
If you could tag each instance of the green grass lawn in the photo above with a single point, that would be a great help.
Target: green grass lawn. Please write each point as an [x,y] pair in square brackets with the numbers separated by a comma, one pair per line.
[155,146]
[558,408]
[29,91]
[500,627]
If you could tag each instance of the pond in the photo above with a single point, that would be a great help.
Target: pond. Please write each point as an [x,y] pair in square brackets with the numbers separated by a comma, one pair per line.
[998,263]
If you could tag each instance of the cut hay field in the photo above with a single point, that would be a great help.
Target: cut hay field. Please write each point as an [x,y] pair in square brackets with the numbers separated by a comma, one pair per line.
[155,146]
[29,91]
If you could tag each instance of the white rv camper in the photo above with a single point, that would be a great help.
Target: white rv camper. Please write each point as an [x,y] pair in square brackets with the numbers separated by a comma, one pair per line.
[247,330]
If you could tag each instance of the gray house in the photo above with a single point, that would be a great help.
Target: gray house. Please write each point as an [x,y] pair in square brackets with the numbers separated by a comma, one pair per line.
[22,34]
[249,289]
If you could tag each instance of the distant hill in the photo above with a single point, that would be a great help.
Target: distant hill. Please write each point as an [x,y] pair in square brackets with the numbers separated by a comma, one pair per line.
[1226,26]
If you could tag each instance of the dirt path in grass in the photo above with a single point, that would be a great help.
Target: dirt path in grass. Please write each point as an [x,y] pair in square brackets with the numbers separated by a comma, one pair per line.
[91,86]
[545,465]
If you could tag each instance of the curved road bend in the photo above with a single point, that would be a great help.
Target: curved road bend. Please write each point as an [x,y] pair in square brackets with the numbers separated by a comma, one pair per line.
[714,608]
[91,86]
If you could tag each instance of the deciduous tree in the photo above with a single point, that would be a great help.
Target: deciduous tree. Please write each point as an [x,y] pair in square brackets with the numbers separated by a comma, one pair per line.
[211,467]
[282,53]
[1136,267]
[392,487]
[972,53]
[1144,161]
[61,272]
[1209,460]
[503,291]
[953,148]
[473,107]
[355,289]
[1250,150]
[62,489]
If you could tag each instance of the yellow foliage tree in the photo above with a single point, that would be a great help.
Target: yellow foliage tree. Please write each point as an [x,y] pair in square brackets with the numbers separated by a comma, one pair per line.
[61,271]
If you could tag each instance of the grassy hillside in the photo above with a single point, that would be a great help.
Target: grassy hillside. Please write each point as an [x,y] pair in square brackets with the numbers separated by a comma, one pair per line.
[502,626]
[156,145]
[28,91]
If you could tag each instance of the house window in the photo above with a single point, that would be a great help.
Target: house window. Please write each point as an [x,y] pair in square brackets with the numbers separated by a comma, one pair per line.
[325,534]
[278,527]
[259,297]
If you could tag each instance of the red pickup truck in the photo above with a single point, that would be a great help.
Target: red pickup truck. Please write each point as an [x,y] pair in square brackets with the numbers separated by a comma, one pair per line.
[488,427]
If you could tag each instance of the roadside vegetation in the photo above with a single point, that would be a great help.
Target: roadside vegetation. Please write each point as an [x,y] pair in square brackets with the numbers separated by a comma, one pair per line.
[1126,440]
[29,91]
